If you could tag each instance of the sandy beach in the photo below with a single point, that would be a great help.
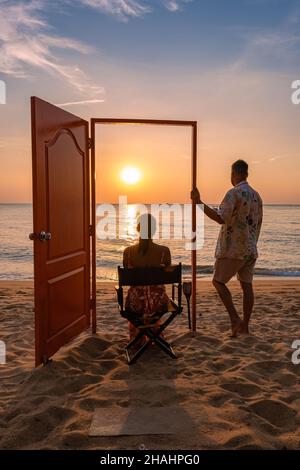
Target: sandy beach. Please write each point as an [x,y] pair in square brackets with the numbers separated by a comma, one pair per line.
[240,393]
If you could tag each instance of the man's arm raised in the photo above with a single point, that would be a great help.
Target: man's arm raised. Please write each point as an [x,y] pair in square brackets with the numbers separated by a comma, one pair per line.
[211,213]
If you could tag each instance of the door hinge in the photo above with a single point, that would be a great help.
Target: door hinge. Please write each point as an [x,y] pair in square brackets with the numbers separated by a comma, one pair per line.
[92,304]
[91,230]
[91,143]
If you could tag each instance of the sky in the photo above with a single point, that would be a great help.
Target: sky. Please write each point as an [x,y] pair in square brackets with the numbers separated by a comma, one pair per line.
[228,65]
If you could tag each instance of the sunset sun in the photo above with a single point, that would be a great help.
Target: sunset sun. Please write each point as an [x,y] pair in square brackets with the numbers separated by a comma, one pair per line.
[130,175]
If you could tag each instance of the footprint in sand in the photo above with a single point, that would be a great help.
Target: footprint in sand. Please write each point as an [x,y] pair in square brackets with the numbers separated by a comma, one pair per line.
[37,426]
[75,440]
[221,365]
[238,440]
[89,404]
[275,412]
[245,390]
[266,367]
[218,399]
[287,380]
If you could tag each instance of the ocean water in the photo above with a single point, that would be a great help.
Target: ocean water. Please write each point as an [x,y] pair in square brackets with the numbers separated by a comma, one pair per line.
[278,245]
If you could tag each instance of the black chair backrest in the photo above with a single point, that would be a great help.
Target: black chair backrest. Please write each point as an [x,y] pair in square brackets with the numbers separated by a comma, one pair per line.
[149,276]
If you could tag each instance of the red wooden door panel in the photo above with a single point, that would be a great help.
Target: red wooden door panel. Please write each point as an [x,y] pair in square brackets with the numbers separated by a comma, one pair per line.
[61,215]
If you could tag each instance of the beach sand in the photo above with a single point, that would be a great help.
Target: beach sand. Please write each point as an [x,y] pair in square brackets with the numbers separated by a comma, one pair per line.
[240,393]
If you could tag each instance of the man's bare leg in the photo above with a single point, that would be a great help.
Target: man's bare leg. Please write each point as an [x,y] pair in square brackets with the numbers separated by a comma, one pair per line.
[225,296]
[248,302]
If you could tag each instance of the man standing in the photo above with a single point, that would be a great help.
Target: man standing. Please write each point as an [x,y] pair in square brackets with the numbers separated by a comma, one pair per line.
[240,216]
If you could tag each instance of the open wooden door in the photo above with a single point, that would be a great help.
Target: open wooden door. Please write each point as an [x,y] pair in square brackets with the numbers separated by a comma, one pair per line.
[61,218]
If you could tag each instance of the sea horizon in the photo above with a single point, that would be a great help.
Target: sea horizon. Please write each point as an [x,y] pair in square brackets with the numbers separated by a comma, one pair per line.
[278,245]
[149,203]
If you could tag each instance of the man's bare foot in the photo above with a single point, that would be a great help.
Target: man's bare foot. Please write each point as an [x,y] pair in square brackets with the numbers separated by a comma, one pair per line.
[244,328]
[235,327]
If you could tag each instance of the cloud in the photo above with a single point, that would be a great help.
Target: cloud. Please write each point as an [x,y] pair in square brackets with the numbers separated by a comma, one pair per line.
[265,48]
[82,102]
[275,43]
[125,9]
[279,157]
[175,5]
[27,41]
[172,5]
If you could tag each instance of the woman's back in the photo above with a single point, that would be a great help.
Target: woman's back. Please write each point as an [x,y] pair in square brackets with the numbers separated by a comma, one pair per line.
[156,255]
[146,300]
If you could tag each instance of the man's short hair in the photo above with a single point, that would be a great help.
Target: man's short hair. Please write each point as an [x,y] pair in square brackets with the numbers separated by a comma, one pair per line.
[240,167]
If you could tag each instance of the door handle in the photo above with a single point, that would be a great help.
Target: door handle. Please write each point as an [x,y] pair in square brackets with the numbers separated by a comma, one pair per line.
[42,236]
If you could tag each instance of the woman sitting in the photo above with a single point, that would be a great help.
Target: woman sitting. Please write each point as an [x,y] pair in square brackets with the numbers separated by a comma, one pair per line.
[146,300]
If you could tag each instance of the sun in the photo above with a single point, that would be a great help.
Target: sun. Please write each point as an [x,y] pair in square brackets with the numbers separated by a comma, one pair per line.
[130,175]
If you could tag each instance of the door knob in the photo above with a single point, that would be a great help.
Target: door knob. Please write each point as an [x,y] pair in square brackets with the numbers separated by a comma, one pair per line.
[42,236]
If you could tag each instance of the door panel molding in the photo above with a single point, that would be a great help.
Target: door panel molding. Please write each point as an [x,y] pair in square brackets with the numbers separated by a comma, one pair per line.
[60,132]
[61,207]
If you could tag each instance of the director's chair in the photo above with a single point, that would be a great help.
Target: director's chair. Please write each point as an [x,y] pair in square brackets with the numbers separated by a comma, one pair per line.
[149,277]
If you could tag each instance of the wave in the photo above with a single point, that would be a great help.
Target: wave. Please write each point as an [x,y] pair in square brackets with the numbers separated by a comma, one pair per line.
[289,272]
[205,270]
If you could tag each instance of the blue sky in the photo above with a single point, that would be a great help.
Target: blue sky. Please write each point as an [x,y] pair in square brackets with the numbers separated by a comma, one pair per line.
[228,64]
